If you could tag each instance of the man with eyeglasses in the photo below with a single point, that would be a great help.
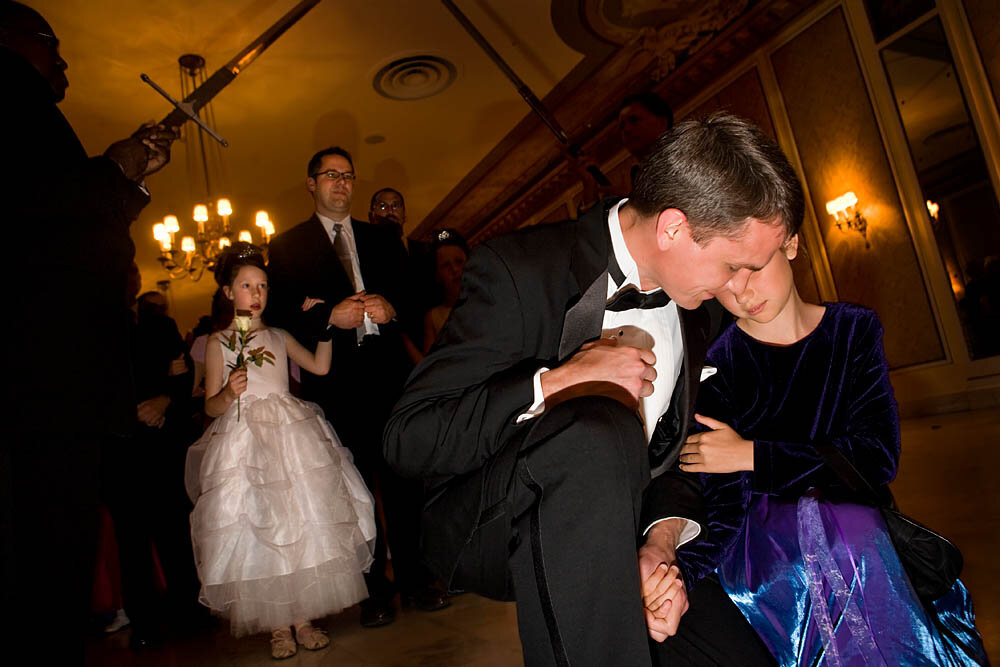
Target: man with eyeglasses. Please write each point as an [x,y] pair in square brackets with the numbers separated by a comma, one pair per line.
[388,208]
[358,269]
[66,219]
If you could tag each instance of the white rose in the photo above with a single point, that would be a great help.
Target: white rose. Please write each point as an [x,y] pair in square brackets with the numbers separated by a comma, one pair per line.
[242,323]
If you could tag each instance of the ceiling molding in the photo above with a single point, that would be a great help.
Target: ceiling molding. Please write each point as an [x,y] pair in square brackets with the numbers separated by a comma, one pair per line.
[527,170]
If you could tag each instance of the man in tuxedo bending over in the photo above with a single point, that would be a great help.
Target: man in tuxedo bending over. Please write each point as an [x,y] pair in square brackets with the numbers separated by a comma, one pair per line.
[358,270]
[550,414]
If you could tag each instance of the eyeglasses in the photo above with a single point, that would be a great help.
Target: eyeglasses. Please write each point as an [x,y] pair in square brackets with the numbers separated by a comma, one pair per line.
[334,175]
[50,41]
[384,207]
[45,38]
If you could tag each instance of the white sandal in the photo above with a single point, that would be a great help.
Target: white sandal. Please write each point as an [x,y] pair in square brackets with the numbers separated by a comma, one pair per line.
[310,637]
[282,644]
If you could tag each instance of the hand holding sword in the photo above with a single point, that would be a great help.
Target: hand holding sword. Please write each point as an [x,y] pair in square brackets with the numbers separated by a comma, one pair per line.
[145,152]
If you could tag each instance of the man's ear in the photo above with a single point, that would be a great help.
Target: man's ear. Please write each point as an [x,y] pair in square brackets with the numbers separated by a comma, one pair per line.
[671,225]
[311,184]
[791,248]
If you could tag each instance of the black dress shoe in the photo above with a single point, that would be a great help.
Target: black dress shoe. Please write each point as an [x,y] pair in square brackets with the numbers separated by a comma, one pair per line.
[429,598]
[376,613]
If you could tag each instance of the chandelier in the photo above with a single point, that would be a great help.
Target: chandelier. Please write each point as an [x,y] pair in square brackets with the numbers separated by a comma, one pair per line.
[214,233]
[194,254]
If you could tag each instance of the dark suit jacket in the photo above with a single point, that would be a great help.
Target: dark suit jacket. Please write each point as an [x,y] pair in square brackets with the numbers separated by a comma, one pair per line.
[302,263]
[528,300]
[66,221]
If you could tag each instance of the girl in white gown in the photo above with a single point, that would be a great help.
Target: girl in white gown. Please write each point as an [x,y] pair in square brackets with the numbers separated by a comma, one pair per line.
[283,525]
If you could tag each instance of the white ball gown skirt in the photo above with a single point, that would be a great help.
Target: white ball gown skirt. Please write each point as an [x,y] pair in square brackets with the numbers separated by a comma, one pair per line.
[283,525]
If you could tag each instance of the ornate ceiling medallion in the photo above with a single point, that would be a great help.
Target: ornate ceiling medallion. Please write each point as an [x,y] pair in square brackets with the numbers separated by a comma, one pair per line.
[414,77]
[666,29]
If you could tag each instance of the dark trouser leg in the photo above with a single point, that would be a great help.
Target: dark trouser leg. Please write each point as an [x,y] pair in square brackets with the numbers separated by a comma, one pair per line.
[713,633]
[128,479]
[48,498]
[353,436]
[576,498]
[403,500]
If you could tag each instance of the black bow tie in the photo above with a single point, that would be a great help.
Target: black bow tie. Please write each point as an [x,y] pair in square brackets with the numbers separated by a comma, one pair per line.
[630,298]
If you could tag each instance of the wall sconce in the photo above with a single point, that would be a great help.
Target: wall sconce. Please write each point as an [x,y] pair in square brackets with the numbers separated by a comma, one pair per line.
[933,209]
[844,212]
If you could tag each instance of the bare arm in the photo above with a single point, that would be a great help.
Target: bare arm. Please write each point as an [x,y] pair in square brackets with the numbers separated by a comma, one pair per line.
[317,363]
[220,393]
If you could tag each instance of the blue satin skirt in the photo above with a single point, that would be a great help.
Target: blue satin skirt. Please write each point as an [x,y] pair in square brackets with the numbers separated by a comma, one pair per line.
[821,584]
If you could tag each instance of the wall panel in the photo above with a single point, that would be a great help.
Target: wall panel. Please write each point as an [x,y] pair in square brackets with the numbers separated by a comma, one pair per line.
[841,150]
[984,17]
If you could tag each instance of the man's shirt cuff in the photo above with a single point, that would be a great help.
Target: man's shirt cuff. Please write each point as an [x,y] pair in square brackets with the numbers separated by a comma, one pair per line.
[538,406]
[690,531]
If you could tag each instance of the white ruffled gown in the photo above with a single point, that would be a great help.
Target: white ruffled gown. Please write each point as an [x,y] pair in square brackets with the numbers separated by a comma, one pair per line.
[283,525]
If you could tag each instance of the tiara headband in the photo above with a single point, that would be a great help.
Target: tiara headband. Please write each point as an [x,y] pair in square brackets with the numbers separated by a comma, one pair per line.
[239,251]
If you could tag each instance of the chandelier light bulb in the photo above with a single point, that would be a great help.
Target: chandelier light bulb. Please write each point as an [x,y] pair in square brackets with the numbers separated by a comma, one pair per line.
[261,218]
[171,224]
[223,207]
[224,242]
[245,236]
[200,213]
[268,228]
[160,231]
[187,244]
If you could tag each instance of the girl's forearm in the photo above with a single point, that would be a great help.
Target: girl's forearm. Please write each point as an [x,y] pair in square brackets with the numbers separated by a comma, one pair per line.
[323,357]
[219,403]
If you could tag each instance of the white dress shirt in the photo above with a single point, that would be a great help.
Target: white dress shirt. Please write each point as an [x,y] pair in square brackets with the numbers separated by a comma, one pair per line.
[371,329]
[655,329]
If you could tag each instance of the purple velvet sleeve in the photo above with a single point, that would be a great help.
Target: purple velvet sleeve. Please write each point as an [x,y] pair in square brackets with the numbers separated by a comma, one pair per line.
[726,495]
[867,433]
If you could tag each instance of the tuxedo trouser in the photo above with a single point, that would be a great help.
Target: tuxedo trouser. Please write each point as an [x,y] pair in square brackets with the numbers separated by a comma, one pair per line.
[359,417]
[575,501]
[144,489]
[49,486]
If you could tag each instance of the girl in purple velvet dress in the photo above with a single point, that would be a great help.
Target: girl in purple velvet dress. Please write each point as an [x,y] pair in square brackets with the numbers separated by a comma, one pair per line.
[819,580]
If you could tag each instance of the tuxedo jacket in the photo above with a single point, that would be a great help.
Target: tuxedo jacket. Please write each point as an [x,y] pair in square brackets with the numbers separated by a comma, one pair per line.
[529,299]
[66,219]
[302,263]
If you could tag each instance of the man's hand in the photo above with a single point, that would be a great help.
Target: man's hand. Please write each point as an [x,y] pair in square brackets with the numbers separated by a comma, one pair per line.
[602,368]
[349,313]
[145,152]
[152,412]
[719,450]
[178,366]
[157,139]
[380,310]
[664,596]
